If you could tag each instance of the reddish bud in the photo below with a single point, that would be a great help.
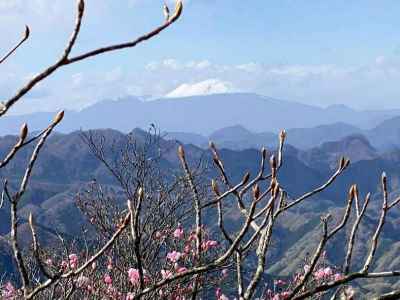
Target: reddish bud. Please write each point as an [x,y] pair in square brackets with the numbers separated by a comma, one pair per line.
[58,118]
[23,132]
[246,178]
[214,187]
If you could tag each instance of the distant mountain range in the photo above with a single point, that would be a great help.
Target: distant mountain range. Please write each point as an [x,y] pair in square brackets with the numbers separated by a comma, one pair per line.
[239,124]
[203,115]
[66,165]
[385,136]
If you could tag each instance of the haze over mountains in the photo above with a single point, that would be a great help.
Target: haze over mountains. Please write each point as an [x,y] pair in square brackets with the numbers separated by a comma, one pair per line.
[384,137]
[66,165]
[239,124]
[203,115]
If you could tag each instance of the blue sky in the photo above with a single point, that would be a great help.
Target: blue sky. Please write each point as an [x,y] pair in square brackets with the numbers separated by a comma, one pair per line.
[314,52]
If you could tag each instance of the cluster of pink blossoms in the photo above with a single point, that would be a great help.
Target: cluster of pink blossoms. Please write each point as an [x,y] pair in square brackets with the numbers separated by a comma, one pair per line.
[73,261]
[282,289]
[179,233]
[174,256]
[8,291]
[89,283]
[220,295]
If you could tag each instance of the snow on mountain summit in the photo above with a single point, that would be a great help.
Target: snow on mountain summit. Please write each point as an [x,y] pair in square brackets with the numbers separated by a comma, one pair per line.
[206,87]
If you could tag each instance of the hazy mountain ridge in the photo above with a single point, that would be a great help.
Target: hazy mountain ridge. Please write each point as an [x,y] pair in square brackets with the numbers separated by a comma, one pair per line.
[384,137]
[202,115]
[66,165]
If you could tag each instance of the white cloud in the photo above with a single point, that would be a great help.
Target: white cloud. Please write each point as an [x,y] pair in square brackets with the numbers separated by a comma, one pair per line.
[173,64]
[206,87]
[370,86]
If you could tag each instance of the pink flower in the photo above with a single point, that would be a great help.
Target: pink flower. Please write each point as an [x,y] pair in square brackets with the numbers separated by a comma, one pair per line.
[73,260]
[174,256]
[82,281]
[64,265]
[181,269]
[319,274]
[306,268]
[109,264]
[338,276]
[8,291]
[281,296]
[208,245]
[285,295]
[130,296]
[220,295]
[166,274]
[107,279]
[133,275]
[323,273]
[224,273]
[158,235]
[279,282]
[328,272]
[178,233]
[49,262]
[212,244]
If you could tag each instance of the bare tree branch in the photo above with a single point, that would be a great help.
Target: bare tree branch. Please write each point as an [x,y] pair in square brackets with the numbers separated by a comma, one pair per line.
[24,38]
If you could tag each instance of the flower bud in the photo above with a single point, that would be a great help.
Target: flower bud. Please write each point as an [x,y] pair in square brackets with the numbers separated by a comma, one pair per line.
[347,163]
[214,187]
[246,178]
[81,6]
[58,118]
[384,180]
[181,152]
[23,132]
[282,135]
[264,152]
[178,11]
[27,32]
[272,162]
[140,193]
[341,163]
[30,219]
[256,192]
[211,145]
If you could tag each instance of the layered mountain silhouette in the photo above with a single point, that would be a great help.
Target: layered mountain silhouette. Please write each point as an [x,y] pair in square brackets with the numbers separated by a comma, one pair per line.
[67,165]
[239,124]
[384,137]
[203,115]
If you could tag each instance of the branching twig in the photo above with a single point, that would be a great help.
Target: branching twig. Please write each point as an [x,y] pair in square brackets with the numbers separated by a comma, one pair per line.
[24,38]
